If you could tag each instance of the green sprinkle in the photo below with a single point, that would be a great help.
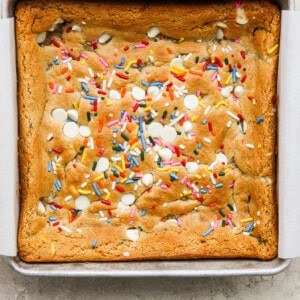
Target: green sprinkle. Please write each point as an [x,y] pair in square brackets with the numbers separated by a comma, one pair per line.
[127,72]
[223,223]
[230,207]
[102,98]
[105,175]
[178,132]
[116,148]
[151,140]
[142,156]
[95,114]
[116,174]
[124,136]
[197,59]
[222,173]
[222,213]
[149,120]
[88,115]
[244,69]
[143,105]
[259,240]
[158,161]
[196,152]
[164,114]
[226,61]
[81,148]
[176,107]
[94,166]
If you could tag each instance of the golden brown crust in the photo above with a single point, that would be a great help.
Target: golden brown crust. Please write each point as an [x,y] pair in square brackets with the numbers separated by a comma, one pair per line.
[169,217]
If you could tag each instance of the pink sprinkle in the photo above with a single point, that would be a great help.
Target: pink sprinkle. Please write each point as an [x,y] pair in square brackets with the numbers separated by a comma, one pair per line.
[192,134]
[208,186]
[189,185]
[83,55]
[104,72]
[183,179]
[176,164]
[139,175]
[157,141]
[112,123]
[209,191]
[214,76]
[54,89]
[124,117]
[219,88]
[140,46]
[198,93]
[237,41]
[229,222]
[216,223]
[132,213]
[161,120]
[131,222]
[163,186]
[93,82]
[134,103]
[179,221]
[103,61]
[94,42]
[170,147]
[238,3]
[229,216]
[167,162]
[64,57]
[231,185]
[186,117]
[234,97]
[101,151]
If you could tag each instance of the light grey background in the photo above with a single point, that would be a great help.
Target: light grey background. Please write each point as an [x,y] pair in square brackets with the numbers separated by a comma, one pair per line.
[285,285]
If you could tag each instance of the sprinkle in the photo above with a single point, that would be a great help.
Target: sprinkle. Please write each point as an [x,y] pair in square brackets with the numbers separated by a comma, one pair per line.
[222,102]
[250,146]
[219,185]
[249,227]
[232,115]
[273,49]
[230,207]
[260,119]
[206,233]
[103,61]
[246,220]
[222,213]
[94,243]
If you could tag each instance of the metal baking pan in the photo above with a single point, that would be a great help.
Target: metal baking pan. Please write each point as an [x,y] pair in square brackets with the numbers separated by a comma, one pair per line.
[180,268]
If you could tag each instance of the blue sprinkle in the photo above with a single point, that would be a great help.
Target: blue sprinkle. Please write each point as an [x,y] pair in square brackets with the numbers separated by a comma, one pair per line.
[135,161]
[122,60]
[203,191]
[161,165]
[53,207]
[129,181]
[172,116]
[219,185]
[141,124]
[129,157]
[234,74]
[203,59]
[121,146]
[207,232]
[52,219]
[119,67]
[108,221]
[115,130]
[49,150]
[49,166]
[210,67]
[85,87]
[143,212]
[131,165]
[117,181]
[145,83]
[249,227]
[156,83]
[55,61]
[143,142]
[113,169]
[259,119]
[204,121]
[174,176]
[114,142]
[199,146]
[96,189]
[57,185]
[133,117]
[94,243]
[89,97]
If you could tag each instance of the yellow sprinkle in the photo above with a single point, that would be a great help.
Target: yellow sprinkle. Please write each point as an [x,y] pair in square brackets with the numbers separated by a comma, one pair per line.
[187,193]
[52,248]
[178,70]
[84,192]
[228,79]
[130,63]
[222,102]
[123,179]
[151,52]
[133,146]
[164,169]
[101,76]
[226,170]
[58,165]
[198,176]
[181,195]
[246,220]
[136,129]
[199,98]
[109,103]
[213,60]
[180,40]
[83,61]
[83,155]
[73,190]
[174,170]
[193,118]
[107,196]
[123,162]
[75,105]
[259,146]
[273,49]
[148,108]
[202,105]
[100,177]
[117,167]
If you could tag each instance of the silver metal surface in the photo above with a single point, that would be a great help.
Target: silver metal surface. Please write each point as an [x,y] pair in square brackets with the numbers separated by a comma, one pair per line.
[191,268]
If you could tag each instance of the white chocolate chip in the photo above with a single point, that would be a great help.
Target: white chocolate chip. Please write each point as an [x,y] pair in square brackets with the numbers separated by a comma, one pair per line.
[153,91]
[178,62]
[187,126]
[41,207]
[192,167]
[70,129]
[168,134]
[41,37]
[226,91]
[221,24]
[82,202]
[241,17]
[155,129]
[55,24]
[165,154]
[84,131]
[220,34]
[122,207]
[133,234]
[153,32]
[221,157]
[73,114]
[128,199]
[59,114]
[102,165]
[138,93]
[114,95]
[147,179]
[76,28]
[190,101]
[105,38]
[238,91]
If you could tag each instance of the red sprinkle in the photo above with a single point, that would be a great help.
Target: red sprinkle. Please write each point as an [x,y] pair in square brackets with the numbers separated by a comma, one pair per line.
[126,48]
[206,64]
[59,229]
[145,42]
[68,29]
[239,65]
[68,77]
[120,189]
[210,128]
[138,63]
[177,151]
[243,79]
[55,43]
[123,76]
[109,212]
[55,224]
[102,93]
[240,117]
[106,202]
[219,62]
[243,54]
[57,150]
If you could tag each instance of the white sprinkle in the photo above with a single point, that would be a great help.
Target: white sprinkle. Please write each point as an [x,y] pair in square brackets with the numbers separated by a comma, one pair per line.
[212,178]
[182,147]
[87,176]
[167,104]
[101,213]
[250,146]
[229,123]
[244,126]
[113,185]
[258,213]
[165,204]
[60,89]
[68,198]
[151,58]
[67,60]
[135,187]
[92,145]
[76,28]
[187,57]
[207,109]
[50,136]
[207,140]
[70,68]
[176,120]
[41,207]
[68,230]
[229,48]
[103,219]
[104,85]
[105,191]
[195,187]
[232,115]
[83,185]
[215,46]
[104,38]
[126,253]
[212,165]
[158,182]
[124,127]
[91,72]
[53,167]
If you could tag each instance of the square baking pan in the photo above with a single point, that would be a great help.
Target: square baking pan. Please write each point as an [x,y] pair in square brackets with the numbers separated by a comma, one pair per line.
[180,268]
